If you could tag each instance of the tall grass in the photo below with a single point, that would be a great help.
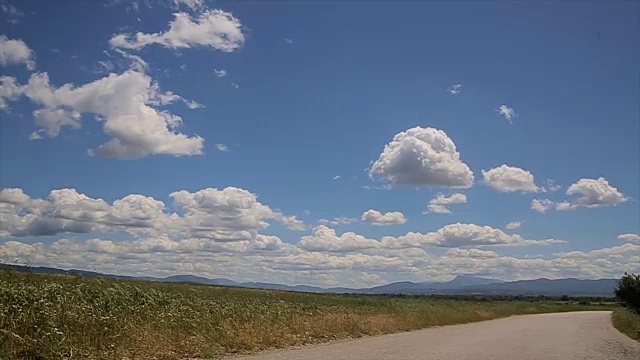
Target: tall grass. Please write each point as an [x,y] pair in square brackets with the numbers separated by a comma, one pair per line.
[51,317]
[627,321]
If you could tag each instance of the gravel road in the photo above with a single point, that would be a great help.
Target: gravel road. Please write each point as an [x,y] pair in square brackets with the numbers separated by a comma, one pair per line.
[562,336]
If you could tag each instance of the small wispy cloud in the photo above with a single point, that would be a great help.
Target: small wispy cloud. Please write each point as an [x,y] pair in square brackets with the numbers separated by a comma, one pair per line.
[455,89]
[440,203]
[337,177]
[220,72]
[35,136]
[223,147]
[194,5]
[342,220]
[507,111]
[513,225]
[193,105]
[289,41]
[12,13]
[108,66]
[235,85]
[552,186]
[135,62]
[382,187]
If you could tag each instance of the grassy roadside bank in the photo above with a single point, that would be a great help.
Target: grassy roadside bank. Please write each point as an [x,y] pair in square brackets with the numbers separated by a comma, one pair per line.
[627,322]
[51,316]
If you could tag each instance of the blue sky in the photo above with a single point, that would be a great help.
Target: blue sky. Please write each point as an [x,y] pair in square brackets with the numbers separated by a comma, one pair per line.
[311,91]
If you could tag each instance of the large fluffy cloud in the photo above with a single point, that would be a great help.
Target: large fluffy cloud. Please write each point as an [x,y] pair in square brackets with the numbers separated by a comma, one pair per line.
[506,178]
[460,235]
[375,217]
[66,210]
[16,52]
[229,214]
[213,28]
[325,239]
[126,102]
[594,193]
[422,157]
[439,203]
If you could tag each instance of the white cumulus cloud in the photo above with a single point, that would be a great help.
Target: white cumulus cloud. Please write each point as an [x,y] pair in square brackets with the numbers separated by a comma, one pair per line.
[422,157]
[51,120]
[595,193]
[213,28]
[16,52]
[220,72]
[513,225]
[224,227]
[506,178]
[229,214]
[439,203]
[325,239]
[9,90]
[126,102]
[630,237]
[375,217]
[541,205]
[458,235]
[331,260]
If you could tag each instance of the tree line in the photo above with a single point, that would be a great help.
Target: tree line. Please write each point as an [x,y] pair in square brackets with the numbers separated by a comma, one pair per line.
[628,291]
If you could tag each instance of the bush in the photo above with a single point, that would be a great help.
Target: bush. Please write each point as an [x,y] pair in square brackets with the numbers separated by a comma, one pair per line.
[628,291]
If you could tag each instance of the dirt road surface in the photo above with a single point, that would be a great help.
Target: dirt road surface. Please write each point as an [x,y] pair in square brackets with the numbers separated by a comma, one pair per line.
[562,336]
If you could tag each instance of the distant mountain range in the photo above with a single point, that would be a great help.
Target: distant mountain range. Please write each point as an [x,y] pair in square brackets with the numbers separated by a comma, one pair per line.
[460,285]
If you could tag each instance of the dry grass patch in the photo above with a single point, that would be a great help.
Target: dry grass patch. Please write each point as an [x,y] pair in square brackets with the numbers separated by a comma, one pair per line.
[51,316]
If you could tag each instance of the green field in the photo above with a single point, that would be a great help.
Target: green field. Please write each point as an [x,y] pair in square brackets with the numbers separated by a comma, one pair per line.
[52,316]
[627,322]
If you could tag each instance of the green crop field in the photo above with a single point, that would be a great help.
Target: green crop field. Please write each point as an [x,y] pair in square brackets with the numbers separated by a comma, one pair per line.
[51,317]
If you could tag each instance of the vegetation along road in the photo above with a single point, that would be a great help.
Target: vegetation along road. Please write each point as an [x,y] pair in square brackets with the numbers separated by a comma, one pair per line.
[567,336]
